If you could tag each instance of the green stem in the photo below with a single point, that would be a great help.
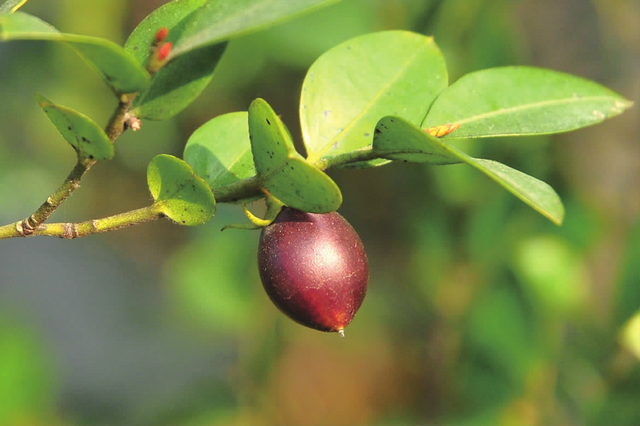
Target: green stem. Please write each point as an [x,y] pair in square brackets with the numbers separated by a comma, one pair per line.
[83,229]
[252,187]
[363,154]
[239,191]
[116,126]
[70,184]
[118,121]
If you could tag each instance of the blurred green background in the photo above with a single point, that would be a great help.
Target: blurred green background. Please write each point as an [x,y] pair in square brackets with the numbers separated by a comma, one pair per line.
[479,310]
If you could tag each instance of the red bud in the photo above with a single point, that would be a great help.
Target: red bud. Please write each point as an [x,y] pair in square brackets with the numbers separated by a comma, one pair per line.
[164,51]
[161,34]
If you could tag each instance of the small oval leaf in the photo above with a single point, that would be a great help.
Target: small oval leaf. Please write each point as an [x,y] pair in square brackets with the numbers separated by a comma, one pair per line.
[352,86]
[82,133]
[220,152]
[397,139]
[288,176]
[517,101]
[112,63]
[179,194]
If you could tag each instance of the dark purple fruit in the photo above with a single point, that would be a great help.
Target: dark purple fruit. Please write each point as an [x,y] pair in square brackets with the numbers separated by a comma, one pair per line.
[313,267]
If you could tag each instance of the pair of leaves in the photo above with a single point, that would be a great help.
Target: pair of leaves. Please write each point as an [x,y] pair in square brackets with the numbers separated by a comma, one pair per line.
[240,145]
[285,173]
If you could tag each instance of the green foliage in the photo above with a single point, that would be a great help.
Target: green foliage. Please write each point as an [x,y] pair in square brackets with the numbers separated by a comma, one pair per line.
[85,136]
[284,173]
[398,139]
[198,45]
[179,82]
[518,101]
[178,193]
[220,152]
[235,19]
[362,81]
[112,63]
[352,86]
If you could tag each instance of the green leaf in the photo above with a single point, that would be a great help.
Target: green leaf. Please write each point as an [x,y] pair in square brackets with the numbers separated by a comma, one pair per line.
[352,86]
[184,77]
[178,84]
[511,101]
[112,63]
[287,175]
[216,21]
[220,152]
[178,193]
[397,139]
[198,30]
[82,133]
[10,6]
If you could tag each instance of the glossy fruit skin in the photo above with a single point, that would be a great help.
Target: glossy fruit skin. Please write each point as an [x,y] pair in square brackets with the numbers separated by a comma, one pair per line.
[314,268]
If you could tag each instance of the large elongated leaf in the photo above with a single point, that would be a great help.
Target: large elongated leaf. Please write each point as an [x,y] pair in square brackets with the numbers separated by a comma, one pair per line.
[179,194]
[82,133]
[398,139]
[220,152]
[216,21]
[286,174]
[116,67]
[512,101]
[10,6]
[352,86]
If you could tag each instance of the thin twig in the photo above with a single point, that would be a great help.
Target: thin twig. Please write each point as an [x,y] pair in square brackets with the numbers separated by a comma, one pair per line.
[116,126]
[83,229]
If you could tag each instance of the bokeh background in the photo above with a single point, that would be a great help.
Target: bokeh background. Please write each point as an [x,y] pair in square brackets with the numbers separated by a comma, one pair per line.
[479,310]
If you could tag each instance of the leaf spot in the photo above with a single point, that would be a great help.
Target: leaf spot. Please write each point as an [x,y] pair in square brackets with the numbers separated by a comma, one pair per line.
[268,122]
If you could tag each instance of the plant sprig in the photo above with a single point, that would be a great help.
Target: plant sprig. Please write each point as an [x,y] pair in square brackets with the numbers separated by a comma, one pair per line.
[371,100]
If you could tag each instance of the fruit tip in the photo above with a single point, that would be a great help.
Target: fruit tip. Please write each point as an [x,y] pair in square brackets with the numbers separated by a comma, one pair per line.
[341,332]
